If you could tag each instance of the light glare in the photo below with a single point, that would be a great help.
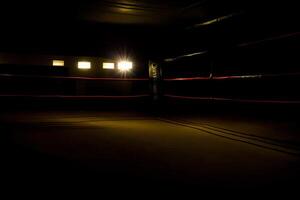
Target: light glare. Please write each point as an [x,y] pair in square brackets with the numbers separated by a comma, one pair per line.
[125,65]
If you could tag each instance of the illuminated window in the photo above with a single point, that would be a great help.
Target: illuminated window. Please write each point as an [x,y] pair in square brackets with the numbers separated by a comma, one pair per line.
[60,63]
[84,65]
[108,65]
[125,65]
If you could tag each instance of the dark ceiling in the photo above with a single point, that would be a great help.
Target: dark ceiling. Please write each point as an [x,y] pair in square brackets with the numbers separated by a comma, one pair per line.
[117,11]
[146,27]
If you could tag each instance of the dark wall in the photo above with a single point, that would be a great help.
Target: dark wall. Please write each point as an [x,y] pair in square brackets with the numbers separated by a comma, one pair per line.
[272,64]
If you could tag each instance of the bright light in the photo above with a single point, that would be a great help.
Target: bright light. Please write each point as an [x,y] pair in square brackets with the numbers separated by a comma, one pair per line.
[84,65]
[108,66]
[125,66]
[59,63]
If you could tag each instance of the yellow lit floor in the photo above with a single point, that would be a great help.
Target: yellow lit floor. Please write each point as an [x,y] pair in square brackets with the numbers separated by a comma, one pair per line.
[136,149]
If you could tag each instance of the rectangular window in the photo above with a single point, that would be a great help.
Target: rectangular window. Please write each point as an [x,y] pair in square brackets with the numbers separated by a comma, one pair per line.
[84,65]
[59,63]
[108,66]
[125,66]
